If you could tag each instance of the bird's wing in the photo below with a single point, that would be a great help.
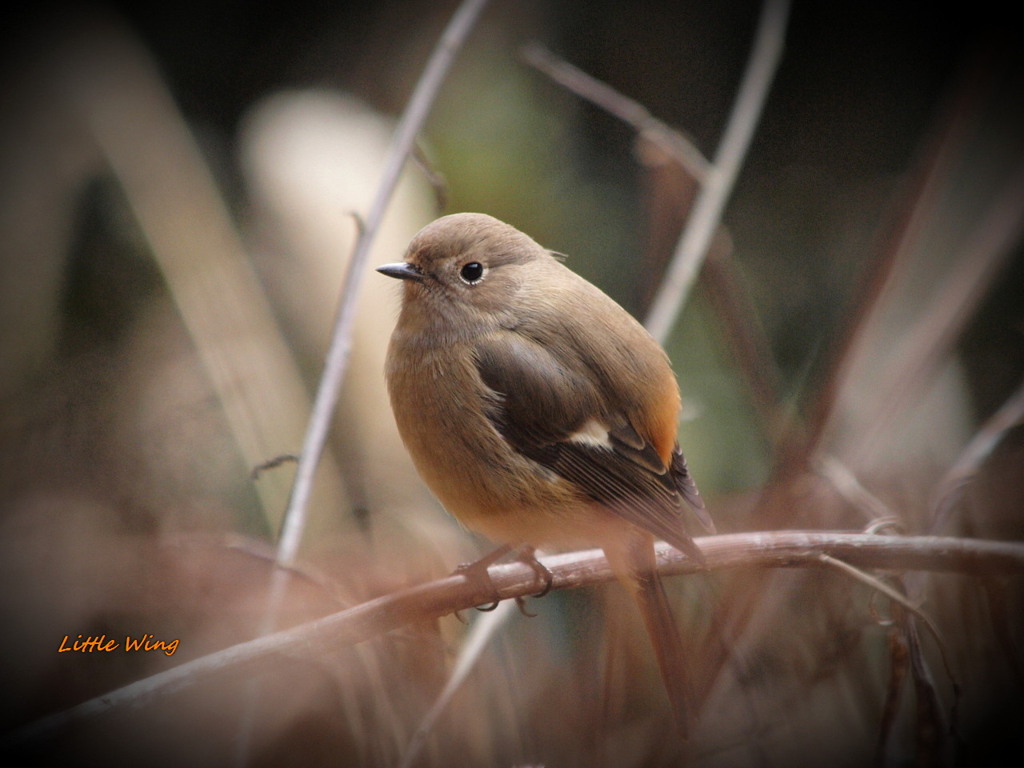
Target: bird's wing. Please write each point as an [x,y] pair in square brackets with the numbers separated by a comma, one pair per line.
[553,413]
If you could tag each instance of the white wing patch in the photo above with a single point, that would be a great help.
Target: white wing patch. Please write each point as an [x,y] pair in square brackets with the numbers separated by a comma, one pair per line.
[592,433]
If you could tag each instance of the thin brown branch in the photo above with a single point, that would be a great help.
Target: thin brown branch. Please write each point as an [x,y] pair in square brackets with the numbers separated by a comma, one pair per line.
[742,327]
[931,724]
[314,445]
[336,362]
[575,569]
[716,189]
[848,485]
[899,664]
[895,596]
[930,340]
[744,332]
[920,200]
[672,141]
[115,87]
[434,178]
[951,487]
[477,640]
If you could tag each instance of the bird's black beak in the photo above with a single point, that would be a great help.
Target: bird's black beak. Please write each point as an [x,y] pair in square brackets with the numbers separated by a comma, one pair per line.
[402,270]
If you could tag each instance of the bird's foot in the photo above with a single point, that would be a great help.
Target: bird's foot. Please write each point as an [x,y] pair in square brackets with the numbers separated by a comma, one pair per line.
[478,571]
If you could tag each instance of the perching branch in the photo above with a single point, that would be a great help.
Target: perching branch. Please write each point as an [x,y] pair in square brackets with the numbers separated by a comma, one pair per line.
[575,569]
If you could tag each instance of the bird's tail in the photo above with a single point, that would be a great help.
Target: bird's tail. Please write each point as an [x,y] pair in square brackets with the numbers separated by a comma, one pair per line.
[634,563]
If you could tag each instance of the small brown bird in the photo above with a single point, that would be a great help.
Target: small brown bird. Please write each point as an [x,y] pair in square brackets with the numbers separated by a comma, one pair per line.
[539,412]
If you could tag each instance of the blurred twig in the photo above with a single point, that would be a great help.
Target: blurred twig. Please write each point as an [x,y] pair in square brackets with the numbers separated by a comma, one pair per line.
[916,212]
[717,185]
[403,145]
[931,338]
[896,597]
[850,488]
[434,177]
[742,326]
[115,86]
[749,345]
[899,663]
[570,570]
[336,361]
[930,720]
[679,146]
[716,179]
[966,466]
[950,488]
[484,629]
[851,363]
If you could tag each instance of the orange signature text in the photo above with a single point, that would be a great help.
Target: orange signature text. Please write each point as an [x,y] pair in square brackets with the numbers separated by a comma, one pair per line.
[101,643]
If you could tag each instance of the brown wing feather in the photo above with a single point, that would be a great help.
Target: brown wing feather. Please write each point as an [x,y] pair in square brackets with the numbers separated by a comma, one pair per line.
[538,403]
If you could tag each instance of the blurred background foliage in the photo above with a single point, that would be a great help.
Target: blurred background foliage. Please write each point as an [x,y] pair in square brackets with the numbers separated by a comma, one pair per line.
[129,375]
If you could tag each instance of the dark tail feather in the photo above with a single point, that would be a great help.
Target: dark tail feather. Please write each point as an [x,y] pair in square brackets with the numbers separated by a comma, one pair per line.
[688,489]
[642,579]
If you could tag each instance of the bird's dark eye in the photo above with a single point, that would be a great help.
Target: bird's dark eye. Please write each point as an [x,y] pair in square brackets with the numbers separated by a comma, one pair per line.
[472,272]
